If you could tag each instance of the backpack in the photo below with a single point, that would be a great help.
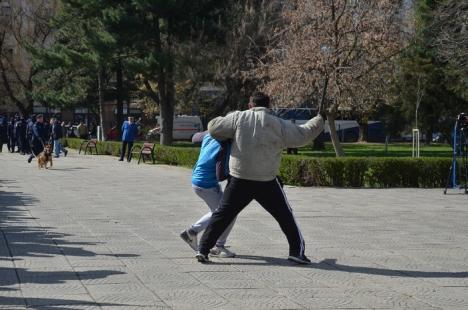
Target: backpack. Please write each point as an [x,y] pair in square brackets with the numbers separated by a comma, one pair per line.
[222,161]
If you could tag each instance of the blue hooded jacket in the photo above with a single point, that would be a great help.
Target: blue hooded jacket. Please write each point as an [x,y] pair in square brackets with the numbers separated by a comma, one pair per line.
[204,172]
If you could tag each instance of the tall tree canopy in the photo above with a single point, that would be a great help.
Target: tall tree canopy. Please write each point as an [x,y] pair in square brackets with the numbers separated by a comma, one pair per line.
[338,49]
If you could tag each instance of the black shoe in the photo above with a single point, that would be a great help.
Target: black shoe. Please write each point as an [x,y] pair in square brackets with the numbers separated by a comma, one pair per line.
[30,159]
[202,258]
[302,260]
[65,153]
[120,159]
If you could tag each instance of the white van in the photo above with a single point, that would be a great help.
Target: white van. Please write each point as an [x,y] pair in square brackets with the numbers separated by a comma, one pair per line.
[185,126]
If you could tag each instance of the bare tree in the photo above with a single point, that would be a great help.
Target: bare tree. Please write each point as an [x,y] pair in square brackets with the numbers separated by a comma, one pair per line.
[451,39]
[451,24]
[26,26]
[340,48]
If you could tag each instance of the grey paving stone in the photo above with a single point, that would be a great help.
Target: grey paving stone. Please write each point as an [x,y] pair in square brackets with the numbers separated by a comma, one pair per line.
[84,238]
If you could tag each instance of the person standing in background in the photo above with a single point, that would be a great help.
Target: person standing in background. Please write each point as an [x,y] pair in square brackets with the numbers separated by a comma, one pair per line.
[82,130]
[29,132]
[47,131]
[21,141]
[57,135]
[11,135]
[129,132]
[38,138]
[3,132]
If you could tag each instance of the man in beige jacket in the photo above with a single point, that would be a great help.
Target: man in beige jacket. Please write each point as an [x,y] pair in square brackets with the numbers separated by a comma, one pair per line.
[258,140]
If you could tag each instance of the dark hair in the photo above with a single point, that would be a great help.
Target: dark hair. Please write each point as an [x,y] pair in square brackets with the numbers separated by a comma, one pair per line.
[39,116]
[260,99]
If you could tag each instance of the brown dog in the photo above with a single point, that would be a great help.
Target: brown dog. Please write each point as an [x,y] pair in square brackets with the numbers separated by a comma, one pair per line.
[45,156]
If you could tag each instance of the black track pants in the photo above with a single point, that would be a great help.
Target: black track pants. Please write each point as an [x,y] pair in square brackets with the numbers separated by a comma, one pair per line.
[238,194]
[124,147]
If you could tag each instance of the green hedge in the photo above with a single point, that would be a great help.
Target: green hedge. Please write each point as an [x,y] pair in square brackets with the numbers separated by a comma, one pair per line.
[374,172]
[181,156]
[381,172]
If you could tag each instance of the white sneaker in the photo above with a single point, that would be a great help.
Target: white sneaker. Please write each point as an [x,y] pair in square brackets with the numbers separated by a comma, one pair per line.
[191,238]
[221,251]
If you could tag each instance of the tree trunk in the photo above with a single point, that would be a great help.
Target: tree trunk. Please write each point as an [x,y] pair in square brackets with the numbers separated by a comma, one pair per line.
[429,133]
[119,89]
[166,87]
[363,131]
[167,123]
[101,101]
[334,135]
[363,122]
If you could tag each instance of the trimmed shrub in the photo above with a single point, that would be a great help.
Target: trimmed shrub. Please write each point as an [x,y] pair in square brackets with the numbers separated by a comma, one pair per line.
[380,172]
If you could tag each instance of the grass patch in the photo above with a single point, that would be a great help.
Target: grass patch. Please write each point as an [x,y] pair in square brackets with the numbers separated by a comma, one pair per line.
[378,150]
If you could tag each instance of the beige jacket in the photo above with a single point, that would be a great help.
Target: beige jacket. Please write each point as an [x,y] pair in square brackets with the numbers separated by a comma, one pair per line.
[258,139]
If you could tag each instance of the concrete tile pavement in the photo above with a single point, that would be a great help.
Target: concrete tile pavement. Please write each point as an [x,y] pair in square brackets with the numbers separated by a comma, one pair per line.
[95,233]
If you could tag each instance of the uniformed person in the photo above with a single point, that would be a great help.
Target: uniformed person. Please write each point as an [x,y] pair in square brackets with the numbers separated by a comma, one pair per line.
[20,133]
[29,131]
[38,138]
[3,131]
[11,135]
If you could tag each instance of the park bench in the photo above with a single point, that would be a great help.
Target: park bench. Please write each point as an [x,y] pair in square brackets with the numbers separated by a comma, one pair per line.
[145,152]
[89,145]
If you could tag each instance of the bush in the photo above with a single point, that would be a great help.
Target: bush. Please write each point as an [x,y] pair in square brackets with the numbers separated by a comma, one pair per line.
[171,155]
[380,172]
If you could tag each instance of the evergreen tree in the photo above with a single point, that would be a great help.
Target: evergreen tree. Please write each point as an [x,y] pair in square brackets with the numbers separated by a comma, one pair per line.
[422,86]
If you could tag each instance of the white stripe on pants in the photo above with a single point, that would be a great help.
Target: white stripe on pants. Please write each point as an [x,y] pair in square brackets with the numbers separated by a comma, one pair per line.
[212,197]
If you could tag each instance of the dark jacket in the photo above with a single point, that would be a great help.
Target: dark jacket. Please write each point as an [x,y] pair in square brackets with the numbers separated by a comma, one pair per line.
[20,130]
[57,132]
[3,131]
[11,130]
[29,129]
[38,135]
[47,131]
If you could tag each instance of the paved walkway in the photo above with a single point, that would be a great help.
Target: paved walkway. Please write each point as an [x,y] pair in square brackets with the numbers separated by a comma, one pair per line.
[95,233]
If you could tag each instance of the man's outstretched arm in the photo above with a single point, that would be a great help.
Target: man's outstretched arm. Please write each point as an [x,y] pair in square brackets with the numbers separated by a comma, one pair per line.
[223,128]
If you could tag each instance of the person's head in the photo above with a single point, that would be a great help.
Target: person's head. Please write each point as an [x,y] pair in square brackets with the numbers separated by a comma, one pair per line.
[52,121]
[259,99]
[40,118]
[131,119]
[63,124]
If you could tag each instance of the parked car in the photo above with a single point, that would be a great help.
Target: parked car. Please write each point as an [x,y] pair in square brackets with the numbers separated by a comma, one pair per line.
[184,128]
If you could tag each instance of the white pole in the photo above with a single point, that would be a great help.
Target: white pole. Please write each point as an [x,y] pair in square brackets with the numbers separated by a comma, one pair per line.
[415,149]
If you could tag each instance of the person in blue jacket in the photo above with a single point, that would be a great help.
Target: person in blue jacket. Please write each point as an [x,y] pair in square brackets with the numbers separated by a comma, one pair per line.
[205,183]
[129,131]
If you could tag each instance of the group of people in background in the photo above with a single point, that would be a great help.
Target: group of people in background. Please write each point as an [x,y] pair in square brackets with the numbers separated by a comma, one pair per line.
[29,136]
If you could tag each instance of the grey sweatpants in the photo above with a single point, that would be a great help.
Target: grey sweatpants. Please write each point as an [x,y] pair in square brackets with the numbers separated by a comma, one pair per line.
[212,197]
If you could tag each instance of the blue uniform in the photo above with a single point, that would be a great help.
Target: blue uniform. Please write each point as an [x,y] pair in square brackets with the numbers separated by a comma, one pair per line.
[204,172]
[129,131]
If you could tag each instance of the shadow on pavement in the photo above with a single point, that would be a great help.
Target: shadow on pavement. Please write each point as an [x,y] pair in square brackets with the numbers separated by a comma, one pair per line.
[49,303]
[332,265]
[22,240]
